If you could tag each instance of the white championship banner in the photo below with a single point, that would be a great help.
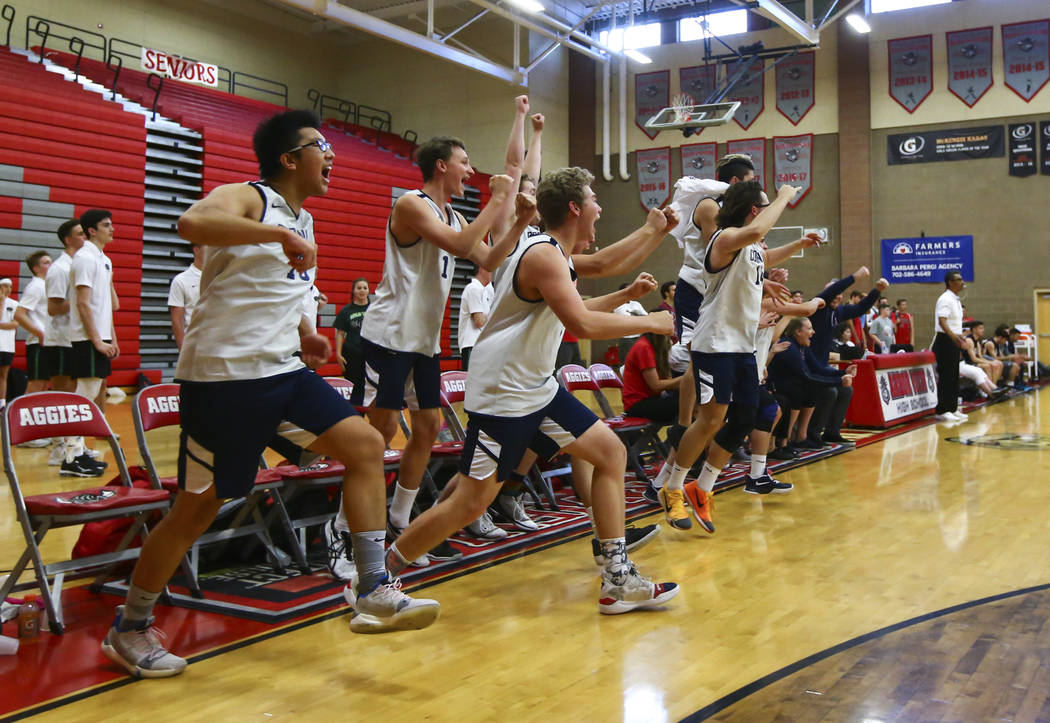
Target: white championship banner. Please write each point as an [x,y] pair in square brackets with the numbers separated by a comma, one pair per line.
[172,66]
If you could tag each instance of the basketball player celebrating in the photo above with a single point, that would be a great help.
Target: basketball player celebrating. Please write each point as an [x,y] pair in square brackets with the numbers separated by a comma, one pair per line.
[514,403]
[401,332]
[723,345]
[240,378]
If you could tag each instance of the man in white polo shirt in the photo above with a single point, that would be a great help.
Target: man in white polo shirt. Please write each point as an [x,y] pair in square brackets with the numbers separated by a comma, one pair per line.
[946,347]
[92,301]
[31,315]
[183,295]
[474,307]
[7,335]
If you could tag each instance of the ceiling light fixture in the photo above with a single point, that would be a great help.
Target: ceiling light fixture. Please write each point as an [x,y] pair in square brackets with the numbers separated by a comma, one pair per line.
[858,23]
[529,6]
[637,57]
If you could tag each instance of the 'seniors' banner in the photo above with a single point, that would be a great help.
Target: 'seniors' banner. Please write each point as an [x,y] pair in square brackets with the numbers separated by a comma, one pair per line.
[654,176]
[172,66]
[970,64]
[926,260]
[954,144]
[911,70]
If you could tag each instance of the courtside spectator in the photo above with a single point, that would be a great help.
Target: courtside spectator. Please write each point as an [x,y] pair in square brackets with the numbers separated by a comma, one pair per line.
[905,335]
[7,336]
[974,337]
[183,295]
[843,348]
[883,330]
[797,297]
[998,348]
[648,389]
[31,314]
[348,347]
[631,308]
[474,306]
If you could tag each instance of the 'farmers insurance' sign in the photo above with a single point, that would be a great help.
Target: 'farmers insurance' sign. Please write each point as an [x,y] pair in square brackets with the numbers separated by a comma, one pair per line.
[927,259]
[172,66]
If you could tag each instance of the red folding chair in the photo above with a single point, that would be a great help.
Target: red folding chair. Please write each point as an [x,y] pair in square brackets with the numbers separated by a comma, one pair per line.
[63,414]
[645,432]
[156,407]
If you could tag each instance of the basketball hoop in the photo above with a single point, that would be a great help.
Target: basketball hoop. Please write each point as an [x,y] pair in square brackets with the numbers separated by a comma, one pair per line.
[681,105]
[685,115]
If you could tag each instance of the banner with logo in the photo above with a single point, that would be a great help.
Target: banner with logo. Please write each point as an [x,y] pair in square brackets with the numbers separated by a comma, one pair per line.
[699,159]
[756,149]
[1022,149]
[954,144]
[793,164]
[926,260]
[699,81]
[795,86]
[652,93]
[911,70]
[970,64]
[906,391]
[172,66]
[1044,146]
[751,92]
[1026,57]
[654,176]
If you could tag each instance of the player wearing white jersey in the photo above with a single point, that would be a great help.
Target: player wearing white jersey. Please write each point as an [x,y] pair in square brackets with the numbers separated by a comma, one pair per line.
[240,379]
[31,315]
[401,332]
[183,294]
[723,345]
[514,403]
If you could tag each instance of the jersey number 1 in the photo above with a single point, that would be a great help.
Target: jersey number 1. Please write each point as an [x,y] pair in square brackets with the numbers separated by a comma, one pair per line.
[444,267]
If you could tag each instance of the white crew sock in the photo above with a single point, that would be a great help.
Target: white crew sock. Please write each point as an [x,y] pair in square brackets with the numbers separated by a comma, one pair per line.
[758,465]
[708,477]
[401,506]
[676,480]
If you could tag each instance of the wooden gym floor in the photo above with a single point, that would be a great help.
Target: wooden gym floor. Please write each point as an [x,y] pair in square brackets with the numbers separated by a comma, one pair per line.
[906,580]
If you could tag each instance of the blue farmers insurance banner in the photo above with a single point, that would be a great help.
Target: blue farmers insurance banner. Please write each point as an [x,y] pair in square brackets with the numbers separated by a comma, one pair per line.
[926,260]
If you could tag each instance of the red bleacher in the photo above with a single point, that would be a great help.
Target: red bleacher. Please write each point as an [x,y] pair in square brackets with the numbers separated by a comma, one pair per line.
[90,153]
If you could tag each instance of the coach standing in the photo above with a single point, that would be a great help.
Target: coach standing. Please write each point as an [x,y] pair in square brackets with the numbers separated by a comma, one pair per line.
[946,346]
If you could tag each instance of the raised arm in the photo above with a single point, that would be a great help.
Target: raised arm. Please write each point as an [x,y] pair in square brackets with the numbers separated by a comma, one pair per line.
[513,164]
[228,216]
[490,257]
[627,253]
[534,156]
[644,284]
[787,309]
[733,239]
[852,311]
[543,273]
[783,253]
[837,287]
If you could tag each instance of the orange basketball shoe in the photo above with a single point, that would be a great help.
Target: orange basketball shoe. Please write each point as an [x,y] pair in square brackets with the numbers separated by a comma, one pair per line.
[702,504]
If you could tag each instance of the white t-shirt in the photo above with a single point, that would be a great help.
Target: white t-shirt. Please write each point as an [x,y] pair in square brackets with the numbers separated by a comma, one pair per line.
[185,291]
[56,286]
[7,336]
[631,308]
[34,301]
[476,299]
[949,305]
[91,268]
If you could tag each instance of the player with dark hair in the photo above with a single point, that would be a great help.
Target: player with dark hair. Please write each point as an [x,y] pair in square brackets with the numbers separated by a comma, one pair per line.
[31,315]
[241,377]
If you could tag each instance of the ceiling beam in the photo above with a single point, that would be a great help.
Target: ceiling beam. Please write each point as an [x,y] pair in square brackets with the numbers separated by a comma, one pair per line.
[785,18]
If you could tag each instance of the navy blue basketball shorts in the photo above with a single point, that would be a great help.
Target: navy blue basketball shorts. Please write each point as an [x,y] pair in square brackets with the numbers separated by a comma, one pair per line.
[731,377]
[767,410]
[497,444]
[394,379]
[687,303]
[227,425]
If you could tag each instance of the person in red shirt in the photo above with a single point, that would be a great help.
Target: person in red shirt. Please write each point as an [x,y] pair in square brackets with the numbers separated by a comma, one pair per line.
[905,336]
[648,389]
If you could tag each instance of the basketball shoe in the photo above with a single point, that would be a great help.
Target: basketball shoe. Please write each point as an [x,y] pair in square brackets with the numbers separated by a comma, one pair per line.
[136,648]
[387,608]
[632,591]
[701,503]
[484,528]
[340,553]
[673,502]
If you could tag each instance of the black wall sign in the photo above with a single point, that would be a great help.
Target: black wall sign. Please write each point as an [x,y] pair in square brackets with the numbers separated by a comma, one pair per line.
[952,144]
[1044,144]
[1022,149]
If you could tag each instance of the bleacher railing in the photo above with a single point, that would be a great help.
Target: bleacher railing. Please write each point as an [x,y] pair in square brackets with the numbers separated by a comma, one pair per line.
[8,13]
[46,29]
[365,116]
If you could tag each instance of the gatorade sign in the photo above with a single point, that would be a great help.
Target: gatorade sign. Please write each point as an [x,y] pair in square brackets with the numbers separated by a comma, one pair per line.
[172,66]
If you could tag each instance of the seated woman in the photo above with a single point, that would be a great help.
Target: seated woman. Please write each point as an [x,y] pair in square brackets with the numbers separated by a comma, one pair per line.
[843,348]
[649,391]
[797,377]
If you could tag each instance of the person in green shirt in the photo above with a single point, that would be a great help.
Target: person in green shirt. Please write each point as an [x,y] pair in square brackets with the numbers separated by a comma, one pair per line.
[348,339]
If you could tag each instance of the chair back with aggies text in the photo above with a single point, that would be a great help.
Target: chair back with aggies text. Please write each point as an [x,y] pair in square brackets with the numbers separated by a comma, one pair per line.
[64,414]
[642,432]
[157,407]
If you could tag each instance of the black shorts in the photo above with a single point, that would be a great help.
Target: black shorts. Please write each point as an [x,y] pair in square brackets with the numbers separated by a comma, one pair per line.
[6,357]
[497,444]
[393,378]
[767,410]
[89,362]
[227,425]
[687,303]
[733,377]
[58,361]
[36,369]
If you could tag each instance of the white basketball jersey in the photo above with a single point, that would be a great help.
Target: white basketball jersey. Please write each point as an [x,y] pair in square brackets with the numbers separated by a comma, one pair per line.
[763,340]
[732,305]
[56,285]
[512,365]
[246,323]
[409,305]
[693,251]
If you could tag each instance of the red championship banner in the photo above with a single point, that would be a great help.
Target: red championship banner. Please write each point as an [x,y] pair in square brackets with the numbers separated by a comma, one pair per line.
[699,159]
[756,149]
[654,176]
[1026,57]
[652,93]
[911,70]
[970,64]
[751,92]
[795,86]
[793,164]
